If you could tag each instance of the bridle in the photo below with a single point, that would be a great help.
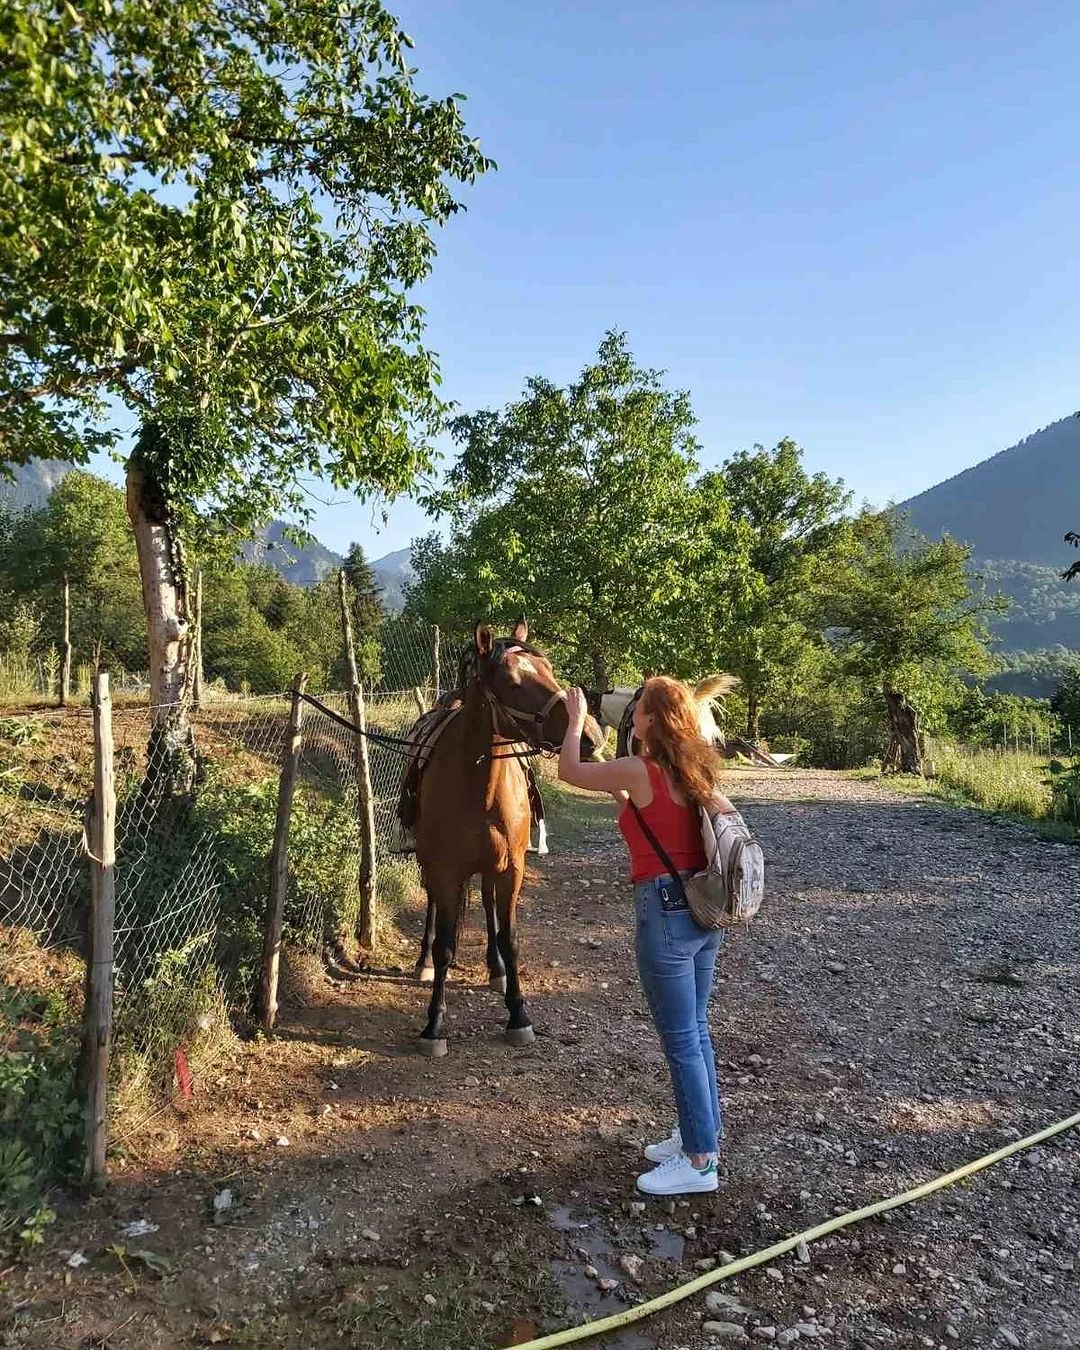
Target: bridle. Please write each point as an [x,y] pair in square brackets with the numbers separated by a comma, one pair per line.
[531,724]
[524,724]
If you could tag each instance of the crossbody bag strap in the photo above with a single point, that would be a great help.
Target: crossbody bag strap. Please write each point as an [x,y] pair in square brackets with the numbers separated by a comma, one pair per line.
[658,848]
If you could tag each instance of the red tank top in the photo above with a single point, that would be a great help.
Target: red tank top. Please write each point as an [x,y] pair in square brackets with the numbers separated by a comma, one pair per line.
[677,827]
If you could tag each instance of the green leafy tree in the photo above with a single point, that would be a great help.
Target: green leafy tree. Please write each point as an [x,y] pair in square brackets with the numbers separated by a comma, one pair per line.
[367,611]
[572,505]
[1066,703]
[768,535]
[215,214]
[906,621]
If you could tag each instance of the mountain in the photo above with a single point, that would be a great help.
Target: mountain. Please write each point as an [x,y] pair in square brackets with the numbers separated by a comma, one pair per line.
[1013,511]
[302,564]
[29,489]
[1017,504]
[391,573]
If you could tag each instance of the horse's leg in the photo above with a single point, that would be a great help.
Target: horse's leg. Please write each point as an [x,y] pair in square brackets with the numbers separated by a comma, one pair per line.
[425,966]
[536,812]
[519,1030]
[447,902]
[495,967]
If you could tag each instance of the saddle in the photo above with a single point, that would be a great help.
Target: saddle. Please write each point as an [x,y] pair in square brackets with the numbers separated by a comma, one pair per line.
[425,734]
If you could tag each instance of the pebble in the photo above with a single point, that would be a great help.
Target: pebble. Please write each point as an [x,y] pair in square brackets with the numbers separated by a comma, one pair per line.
[802,1251]
[788,1337]
[592,1273]
[431,1300]
[725,1304]
[607,1285]
[281,1141]
[369,1235]
[632,1265]
[836,967]
[899,1268]
[705,1263]
[810,1330]
[725,1331]
[774,1273]
[764,1333]
[472,1081]
[1010,1338]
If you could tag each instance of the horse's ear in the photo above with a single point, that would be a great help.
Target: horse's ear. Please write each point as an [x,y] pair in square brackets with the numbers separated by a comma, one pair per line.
[520,631]
[484,639]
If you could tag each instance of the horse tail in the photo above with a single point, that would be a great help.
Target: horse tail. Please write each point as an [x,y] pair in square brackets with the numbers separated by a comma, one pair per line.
[715,686]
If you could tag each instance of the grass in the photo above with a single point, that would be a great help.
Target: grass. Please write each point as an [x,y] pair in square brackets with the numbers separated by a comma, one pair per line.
[572,814]
[1016,786]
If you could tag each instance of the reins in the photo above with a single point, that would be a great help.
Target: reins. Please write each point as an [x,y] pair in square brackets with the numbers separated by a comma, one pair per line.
[402,744]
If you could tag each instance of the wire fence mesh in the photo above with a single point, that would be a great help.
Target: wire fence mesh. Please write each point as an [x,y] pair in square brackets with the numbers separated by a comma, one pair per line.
[192,866]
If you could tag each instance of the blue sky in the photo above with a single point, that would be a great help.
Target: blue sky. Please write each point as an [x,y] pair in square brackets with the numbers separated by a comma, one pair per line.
[851,224]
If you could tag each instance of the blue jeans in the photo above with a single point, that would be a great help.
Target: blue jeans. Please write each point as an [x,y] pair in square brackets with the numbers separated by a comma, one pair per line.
[676,961]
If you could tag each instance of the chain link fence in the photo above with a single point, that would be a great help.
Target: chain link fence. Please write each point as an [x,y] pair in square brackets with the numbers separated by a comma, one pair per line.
[191,869]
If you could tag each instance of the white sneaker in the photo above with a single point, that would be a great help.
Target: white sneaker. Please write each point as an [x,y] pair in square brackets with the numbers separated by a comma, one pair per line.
[666,1148]
[678,1176]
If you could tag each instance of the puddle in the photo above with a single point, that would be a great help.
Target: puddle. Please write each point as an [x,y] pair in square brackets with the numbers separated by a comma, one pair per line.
[592,1247]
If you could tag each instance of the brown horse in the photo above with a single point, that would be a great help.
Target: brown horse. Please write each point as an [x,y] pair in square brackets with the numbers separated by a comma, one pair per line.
[474,812]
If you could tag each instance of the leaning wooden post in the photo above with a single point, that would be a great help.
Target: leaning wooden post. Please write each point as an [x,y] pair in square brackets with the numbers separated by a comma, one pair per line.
[435,672]
[418,699]
[197,678]
[365,805]
[65,655]
[279,861]
[98,1006]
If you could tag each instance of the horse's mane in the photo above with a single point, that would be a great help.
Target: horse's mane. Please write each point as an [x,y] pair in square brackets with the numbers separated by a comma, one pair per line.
[715,686]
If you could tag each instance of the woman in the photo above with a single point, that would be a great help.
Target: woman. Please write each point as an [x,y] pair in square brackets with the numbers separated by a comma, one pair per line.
[676,959]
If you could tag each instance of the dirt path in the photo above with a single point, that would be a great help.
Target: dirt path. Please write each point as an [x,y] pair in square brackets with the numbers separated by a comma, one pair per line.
[908,1002]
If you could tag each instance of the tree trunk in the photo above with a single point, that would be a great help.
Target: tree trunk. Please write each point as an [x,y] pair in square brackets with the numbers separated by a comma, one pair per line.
[753,719]
[600,671]
[904,754]
[197,659]
[171,754]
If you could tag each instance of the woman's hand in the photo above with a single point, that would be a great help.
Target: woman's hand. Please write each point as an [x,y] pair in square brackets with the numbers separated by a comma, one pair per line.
[576,711]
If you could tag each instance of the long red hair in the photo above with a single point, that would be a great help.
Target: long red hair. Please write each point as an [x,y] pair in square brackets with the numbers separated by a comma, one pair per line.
[673,739]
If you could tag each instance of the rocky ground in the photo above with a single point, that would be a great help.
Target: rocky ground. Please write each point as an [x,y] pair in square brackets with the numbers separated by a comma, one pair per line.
[907,1002]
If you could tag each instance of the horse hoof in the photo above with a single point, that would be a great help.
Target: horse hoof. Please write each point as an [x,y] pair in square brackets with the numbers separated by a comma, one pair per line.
[520,1035]
[426,974]
[497,983]
[432,1048]
[542,850]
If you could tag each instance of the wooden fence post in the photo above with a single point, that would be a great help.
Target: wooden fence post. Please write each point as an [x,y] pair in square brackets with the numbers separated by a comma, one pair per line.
[435,671]
[98,1006]
[418,699]
[365,805]
[279,861]
[65,653]
[197,679]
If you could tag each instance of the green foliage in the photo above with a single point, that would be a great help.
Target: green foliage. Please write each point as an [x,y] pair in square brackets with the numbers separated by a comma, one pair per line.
[786,523]
[572,504]
[367,613]
[40,1118]
[1066,701]
[239,819]
[229,245]
[903,616]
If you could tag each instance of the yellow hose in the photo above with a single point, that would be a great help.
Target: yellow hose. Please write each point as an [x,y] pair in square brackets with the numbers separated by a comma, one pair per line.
[676,1295]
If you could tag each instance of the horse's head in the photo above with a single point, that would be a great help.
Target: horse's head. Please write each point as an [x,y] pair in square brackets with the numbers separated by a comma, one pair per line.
[528,702]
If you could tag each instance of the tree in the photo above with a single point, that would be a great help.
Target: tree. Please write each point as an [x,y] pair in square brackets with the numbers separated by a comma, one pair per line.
[905,620]
[782,524]
[83,533]
[215,213]
[572,505]
[367,611]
